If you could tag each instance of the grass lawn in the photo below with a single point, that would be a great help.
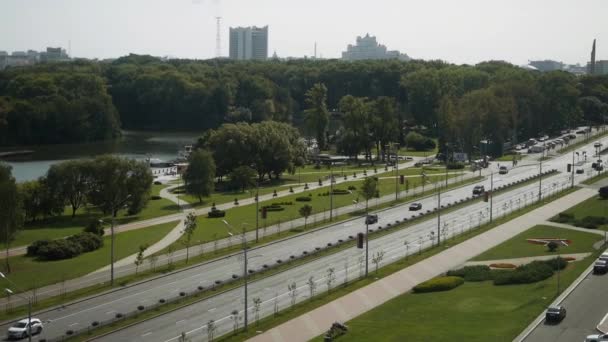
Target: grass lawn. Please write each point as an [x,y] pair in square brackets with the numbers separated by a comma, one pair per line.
[308,175]
[594,206]
[64,225]
[29,273]
[213,228]
[518,247]
[471,312]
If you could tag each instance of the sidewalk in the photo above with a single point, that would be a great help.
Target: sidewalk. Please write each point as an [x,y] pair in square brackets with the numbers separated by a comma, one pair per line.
[316,322]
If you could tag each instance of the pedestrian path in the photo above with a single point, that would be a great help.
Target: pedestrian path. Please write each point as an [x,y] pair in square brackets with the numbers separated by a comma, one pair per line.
[317,321]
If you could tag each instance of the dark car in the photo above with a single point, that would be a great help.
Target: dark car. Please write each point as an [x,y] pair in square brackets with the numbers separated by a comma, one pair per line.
[415,206]
[478,190]
[371,219]
[555,314]
[600,267]
[580,171]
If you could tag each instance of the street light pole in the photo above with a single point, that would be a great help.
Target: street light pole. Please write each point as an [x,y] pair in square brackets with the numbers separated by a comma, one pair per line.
[257,210]
[331,194]
[540,174]
[572,186]
[438,215]
[491,194]
[29,306]
[245,276]
[366,240]
[112,250]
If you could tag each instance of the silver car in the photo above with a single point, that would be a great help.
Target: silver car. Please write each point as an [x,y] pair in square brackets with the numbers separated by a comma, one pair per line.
[20,329]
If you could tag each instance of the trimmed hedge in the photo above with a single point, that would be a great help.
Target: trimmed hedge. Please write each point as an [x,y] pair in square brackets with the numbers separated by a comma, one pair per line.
[591,222]
[214,213]
[563,218]
[303,199]
[530,273]
[472,273]
[439,284]
[503,265]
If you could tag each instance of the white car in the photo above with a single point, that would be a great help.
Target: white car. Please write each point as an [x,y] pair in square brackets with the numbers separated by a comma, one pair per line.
[596,338]
[20,328]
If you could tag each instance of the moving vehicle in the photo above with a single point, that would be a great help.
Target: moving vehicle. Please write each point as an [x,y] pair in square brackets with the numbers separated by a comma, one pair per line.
[20,329]
[597,144]
[478,190]
[600,267]
[555,314]
[580,171]
[415,206]
[596,338]
[371,219]
[503,170]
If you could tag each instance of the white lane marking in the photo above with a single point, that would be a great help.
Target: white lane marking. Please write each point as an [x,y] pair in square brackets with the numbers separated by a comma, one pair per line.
[73,324]
[182,321]
[603,319]
[211,310]
[110,312]
[146,334]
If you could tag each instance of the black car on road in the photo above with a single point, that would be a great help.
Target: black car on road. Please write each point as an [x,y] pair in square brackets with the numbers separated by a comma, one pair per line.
[415,206]
[371,219]
[478,190]
[555,314]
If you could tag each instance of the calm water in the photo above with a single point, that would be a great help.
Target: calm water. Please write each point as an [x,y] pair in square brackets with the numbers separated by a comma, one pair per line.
[137,145]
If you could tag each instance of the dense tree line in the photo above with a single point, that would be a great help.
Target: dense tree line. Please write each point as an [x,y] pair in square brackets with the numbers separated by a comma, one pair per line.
[458,104]
[46,105]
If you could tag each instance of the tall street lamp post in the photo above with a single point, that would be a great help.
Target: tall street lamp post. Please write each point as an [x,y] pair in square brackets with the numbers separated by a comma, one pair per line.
[29,306]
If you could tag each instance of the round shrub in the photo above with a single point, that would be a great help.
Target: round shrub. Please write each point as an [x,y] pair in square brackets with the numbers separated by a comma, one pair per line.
[201,287]
[94,227]
[182,294]
[439,284]
[118,315]
[158,183]
[162,301]
[234,276]
[69,332]
[214,213]
[155,197]
[95,323]
[140,308]
[305,252]
[472,273]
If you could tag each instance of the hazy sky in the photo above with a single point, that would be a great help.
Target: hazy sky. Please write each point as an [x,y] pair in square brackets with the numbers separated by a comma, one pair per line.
[458,31]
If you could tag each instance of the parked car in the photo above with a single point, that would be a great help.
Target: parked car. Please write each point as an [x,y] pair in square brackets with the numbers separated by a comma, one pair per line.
[20,329]
[503,170]
[600,267]
[597,144]
[580,171]
[479,189]
[415,206]
[597,338]
[371,219]
[572,136]
[555,314]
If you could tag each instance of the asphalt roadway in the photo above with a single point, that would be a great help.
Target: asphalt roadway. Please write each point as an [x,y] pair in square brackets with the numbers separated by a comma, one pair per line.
[586,306]
[273,290]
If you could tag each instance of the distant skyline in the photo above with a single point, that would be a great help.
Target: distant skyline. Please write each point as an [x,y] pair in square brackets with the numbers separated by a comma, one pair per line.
[466,31]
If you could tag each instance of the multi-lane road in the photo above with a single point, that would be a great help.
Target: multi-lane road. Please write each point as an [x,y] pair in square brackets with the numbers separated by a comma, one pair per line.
[273,290]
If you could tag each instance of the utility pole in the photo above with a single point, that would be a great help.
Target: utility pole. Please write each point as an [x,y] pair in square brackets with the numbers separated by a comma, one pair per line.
[572,186]
[245,276]
[438,215]
[366,240]
[491,194]
[257,210]
[540,174]
[396,172]
[331,193]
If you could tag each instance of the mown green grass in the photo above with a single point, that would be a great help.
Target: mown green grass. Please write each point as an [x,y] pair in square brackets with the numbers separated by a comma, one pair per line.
[317,301]
[64,225]
[594,206]
[518,247]
[472,312]
[214,228]
[29,273]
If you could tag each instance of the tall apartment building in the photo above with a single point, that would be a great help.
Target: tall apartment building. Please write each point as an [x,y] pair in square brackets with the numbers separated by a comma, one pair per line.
[249,43]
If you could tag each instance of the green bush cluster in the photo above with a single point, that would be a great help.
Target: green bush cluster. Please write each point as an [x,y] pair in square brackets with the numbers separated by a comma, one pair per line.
[592,222]
[303,199]
[273,207]
[529,273]
[472,273]
[282,203]
[352,187]
[439,284]
[65,248]
[455,166]
[564,218]
[336,192]
[215,213]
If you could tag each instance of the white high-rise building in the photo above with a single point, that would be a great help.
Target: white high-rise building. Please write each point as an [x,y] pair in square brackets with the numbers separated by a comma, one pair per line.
[249,42]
